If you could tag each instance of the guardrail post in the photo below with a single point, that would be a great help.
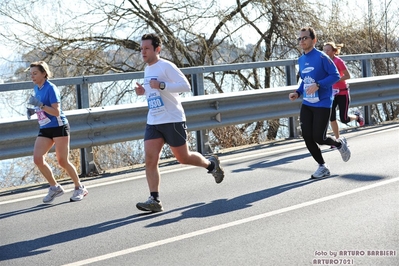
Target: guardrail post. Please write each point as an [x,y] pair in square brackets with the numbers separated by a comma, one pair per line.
[366,70]
[87,164]
[293,122]
[202,138]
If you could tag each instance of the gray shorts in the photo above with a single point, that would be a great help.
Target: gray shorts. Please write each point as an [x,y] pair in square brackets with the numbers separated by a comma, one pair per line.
[175,134]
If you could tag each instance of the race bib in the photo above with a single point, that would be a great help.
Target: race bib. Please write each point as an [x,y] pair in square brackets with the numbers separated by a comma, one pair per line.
[155,103]
[335,92]
[312,98]
[42,117]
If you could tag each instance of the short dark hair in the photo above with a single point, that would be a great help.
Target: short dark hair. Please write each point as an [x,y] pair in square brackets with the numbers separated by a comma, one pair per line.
[156,40]
[312,32]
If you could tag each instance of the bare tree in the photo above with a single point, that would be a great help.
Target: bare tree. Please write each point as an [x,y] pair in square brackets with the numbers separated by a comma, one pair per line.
[377,35]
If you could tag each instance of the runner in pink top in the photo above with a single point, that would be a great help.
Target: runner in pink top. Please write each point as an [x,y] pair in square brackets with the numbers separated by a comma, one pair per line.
[340,90]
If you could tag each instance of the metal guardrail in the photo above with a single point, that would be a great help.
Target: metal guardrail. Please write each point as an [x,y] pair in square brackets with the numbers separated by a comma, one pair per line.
[107,125]
[373,90]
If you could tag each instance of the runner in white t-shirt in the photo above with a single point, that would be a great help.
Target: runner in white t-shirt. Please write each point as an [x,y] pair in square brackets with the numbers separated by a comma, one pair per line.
[166,120]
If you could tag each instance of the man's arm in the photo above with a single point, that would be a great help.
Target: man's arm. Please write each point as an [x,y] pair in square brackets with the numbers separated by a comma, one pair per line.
[177,81]
[331,69]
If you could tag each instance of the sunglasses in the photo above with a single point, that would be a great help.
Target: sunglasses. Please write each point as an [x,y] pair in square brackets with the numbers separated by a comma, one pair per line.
[304,38]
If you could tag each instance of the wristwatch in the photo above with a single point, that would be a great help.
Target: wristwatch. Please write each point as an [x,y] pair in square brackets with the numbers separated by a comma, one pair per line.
[42,106]
[162,85]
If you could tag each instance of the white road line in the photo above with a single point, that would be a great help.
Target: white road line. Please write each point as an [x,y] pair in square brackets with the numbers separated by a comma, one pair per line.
[227,225]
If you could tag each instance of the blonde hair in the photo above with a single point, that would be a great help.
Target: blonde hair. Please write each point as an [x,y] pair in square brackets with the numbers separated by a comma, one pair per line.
[43,67]
[336,47]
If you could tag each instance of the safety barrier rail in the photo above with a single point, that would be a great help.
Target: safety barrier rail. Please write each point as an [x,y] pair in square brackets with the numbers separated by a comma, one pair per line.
[113,124]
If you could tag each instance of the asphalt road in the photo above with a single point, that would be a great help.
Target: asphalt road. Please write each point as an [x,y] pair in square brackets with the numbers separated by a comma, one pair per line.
[266,212]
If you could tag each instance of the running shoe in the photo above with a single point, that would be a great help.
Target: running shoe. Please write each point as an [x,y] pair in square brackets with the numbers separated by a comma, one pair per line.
[344,149]
[150,205]
[79,194]
[217,172]
[360,118]
[321,172]
[53,192]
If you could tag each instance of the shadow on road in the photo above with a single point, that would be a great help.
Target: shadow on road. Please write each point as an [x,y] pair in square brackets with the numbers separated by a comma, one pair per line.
[270,163]
[28,210]
[36,246]
[199,210]
[362,177]
[221,206]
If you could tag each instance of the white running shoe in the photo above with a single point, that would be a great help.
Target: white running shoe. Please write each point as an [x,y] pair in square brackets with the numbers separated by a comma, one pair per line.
[344,149]
[321,172]
[79,194]
[53,192]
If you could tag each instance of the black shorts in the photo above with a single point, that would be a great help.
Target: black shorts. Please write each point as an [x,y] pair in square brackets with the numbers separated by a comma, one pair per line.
[342,101]
[54,132]
[174,134]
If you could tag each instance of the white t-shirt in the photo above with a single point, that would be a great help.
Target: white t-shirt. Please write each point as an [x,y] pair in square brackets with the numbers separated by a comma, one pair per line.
[164,105]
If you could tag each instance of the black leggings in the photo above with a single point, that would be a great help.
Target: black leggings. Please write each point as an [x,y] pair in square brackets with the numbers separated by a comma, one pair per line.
[314,125]
[342,101]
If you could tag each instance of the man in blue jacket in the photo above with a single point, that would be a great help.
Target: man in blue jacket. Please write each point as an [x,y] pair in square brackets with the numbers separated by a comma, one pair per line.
[318,74]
